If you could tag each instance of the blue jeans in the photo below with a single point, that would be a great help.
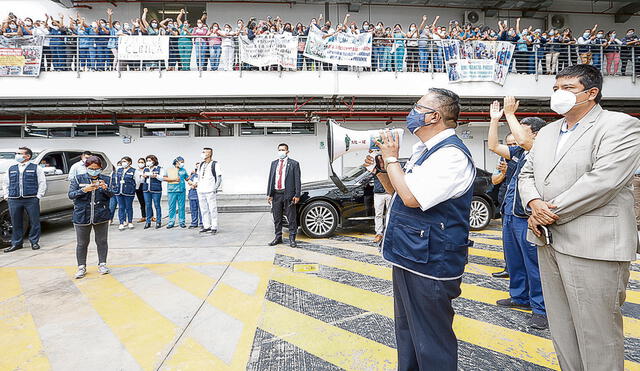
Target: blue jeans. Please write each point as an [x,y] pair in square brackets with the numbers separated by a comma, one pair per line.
[201,54]
[176,201]
[196,219]
[125,209]
[113,203]
[17,208]
[152,199]
[597,59]
[425,55]
[438,62]
[525,286]
[214,57]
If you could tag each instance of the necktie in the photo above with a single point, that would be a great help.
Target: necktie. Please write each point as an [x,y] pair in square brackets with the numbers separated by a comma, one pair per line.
[280,175]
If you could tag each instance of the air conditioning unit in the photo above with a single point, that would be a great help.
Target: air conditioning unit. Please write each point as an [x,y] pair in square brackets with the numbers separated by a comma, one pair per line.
[555,21]
[474,17]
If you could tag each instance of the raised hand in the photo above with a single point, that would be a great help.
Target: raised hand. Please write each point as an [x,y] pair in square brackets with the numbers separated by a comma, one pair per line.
[510,105]
[495,111]
[109,11]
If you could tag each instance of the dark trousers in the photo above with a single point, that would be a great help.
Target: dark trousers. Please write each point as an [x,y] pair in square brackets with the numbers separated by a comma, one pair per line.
[521,256]
[83,236]
[280,205]
[194,206]
[424,321]
[17,208]
[143,205]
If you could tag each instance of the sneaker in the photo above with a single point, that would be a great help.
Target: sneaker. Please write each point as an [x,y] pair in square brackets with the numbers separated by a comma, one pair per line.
[102,268]
[183,226]
[131,226]
[214,231]
[193,226]
[538,321]
[82,271]
[121,227]
[205,230]
[511,304]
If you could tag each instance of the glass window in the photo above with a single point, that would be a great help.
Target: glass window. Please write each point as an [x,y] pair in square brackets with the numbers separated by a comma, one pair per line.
[295,129]
[179,132]
[214,130]
[107,131]
[7,131]
[82,131]
[33,132]
[53,164]
[250,129]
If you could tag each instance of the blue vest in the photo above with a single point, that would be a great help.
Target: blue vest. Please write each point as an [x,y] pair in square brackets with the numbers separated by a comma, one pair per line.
[434,242]
[152,184]
[124,182]
[93,207]
[29,181]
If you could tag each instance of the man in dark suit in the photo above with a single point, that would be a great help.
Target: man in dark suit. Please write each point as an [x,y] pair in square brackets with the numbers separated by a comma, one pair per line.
[283,193]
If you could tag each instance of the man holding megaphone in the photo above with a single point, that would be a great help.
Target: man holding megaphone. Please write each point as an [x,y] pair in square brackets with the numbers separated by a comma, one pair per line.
[427,233]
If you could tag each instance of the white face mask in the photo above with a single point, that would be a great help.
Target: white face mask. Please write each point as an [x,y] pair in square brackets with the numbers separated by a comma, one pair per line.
[282,155]
[203,155]
[180,165]
[562,101]
[141,165]
[149,163]
[125,164]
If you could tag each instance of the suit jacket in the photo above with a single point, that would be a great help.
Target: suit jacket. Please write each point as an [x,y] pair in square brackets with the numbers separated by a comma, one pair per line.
[590,183]
[292,182]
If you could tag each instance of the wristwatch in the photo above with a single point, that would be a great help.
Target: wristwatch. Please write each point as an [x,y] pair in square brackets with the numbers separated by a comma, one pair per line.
[390,160]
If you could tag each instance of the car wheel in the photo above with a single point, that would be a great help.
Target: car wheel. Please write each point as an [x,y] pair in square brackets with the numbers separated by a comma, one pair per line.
[480,215]
[319,219]
[5,225]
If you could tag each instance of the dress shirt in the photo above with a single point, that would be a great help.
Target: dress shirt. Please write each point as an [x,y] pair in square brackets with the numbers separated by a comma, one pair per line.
[76,169]
[445,174]
[42,180]
[284,173]
[206,182]
[565,133]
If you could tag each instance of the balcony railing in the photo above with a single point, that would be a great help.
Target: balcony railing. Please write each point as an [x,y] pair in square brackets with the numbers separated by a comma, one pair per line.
[92,53]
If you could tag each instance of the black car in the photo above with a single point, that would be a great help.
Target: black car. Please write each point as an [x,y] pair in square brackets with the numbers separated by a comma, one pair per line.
[323,206]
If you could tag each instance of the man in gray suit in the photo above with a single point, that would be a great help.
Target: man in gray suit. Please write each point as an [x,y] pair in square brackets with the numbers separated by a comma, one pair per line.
[577,182]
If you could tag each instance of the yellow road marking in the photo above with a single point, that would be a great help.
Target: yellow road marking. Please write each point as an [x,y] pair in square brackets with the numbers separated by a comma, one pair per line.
[18,332]
[145,333]
[335,345]
[191,355]
[489,232]
[634,276]
[192,281]
[486,253]
[486,241]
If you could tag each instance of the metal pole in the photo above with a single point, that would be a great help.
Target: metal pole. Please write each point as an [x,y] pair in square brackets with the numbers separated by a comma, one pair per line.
[535,58]
[633,64]
[77,58]
[237,42]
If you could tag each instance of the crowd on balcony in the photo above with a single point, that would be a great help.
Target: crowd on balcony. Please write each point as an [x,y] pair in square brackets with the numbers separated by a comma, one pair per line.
[416,48]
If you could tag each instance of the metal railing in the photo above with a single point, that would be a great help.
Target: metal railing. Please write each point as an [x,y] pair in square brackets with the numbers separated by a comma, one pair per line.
[93,53]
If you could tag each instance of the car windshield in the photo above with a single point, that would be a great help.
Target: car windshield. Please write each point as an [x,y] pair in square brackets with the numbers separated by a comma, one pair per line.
[353,174]
[7,159]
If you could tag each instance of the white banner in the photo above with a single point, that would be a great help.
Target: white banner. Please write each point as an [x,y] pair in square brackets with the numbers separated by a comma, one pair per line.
[477,60]
[20,56]
[270,49]
[340,48]
[143,48]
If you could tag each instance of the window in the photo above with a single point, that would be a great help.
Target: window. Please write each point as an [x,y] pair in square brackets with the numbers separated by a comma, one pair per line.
[300,128]
[7,131]
[214,130]
[34,132]
[91,131]
[53,164]
[177,132]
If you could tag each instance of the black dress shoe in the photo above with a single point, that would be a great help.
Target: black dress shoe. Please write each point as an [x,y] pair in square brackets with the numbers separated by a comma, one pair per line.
[13,248]
[539,321]
[35,246]
[276,241]
[170,226]
[509,303]
[147,225]
[158,225]
[205,230]
[293,243]
[193,226]
[501,274]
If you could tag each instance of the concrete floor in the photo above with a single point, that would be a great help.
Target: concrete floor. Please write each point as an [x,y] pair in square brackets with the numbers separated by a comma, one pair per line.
[179,301]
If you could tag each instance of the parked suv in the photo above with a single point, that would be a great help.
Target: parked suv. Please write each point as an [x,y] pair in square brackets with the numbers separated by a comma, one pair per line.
[326,205]
[55,202]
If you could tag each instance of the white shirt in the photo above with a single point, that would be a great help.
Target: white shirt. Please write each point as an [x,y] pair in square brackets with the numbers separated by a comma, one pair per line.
[206,181]
[42,180]
[76,169]
[163,173]
[565,133]
[447,173]
[284,173]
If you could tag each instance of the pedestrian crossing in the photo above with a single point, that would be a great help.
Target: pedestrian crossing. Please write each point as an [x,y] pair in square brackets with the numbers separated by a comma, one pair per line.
[260,315]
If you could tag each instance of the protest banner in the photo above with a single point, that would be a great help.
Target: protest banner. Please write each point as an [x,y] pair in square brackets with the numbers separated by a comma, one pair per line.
[20,56]
[143,48]
[340,48]
[269,50]
[477,60]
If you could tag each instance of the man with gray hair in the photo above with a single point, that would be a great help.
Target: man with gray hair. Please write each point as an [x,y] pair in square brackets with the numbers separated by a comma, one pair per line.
[427,234]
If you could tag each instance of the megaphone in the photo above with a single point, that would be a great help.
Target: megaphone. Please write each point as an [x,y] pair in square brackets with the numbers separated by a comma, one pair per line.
[341,141]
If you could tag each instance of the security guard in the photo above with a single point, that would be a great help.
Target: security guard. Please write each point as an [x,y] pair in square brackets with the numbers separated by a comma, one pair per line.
[24,184]
[124,185]
[427,233]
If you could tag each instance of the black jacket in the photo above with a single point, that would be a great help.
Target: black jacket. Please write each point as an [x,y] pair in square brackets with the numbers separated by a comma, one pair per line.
[93,207]
[292,182]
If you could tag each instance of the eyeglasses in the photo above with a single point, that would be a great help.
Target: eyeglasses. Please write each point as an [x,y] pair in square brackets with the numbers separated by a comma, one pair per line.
[421,109]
